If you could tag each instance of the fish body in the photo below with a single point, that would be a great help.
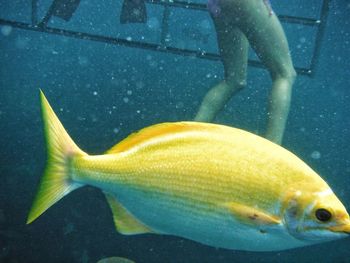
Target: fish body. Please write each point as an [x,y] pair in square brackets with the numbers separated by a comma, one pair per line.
[214,184]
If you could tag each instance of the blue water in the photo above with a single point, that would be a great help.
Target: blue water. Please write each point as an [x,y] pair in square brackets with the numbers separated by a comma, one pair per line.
[103,92]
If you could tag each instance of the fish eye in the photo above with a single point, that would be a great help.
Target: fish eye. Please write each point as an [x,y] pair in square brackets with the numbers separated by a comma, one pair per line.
[323,215]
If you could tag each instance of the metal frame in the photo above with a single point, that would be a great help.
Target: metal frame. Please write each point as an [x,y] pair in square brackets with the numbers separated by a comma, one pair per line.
[162,47]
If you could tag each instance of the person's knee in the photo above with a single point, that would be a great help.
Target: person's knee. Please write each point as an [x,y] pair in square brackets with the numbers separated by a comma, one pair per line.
[282,89]
[287,73]
[222,92]
[235,85]
[292,74]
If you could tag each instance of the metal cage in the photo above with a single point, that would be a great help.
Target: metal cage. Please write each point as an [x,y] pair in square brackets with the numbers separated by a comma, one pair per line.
[317,24]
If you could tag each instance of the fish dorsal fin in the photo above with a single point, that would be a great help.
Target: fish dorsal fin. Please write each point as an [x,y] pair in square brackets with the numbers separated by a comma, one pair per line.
[162,129]
[124,221]
[251,215]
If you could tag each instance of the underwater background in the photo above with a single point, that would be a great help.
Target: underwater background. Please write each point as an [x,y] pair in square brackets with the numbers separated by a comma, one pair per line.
[103,92]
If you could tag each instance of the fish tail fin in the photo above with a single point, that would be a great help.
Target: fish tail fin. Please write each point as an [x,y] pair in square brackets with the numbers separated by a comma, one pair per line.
[56,181]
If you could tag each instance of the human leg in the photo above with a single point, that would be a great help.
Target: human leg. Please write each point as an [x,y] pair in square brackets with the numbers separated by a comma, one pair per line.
[266,36]
[233,47]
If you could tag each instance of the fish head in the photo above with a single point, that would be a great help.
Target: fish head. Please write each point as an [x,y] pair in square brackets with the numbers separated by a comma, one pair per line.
[316,216]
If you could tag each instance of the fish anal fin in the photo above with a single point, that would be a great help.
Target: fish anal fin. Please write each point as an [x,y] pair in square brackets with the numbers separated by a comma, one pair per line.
[251,215]
[124,221]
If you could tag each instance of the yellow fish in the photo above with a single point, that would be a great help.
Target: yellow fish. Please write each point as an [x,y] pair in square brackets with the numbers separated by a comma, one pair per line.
[214,184]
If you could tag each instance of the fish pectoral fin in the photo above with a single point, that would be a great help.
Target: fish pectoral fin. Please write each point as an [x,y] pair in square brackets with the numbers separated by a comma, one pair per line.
[251,215]
[124,221]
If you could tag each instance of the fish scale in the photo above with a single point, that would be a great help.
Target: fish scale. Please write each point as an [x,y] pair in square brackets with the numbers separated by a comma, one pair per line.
[210,183]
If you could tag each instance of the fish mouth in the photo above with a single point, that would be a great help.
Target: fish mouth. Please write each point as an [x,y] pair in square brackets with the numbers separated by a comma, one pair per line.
[341,229]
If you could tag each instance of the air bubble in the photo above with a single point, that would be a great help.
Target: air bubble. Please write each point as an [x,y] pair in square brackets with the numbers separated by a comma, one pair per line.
[6,30]
[153,23]
[316,155]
